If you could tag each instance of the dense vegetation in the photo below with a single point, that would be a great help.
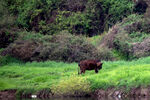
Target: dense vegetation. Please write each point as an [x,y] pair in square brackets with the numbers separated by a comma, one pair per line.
[40,30]
[130,37]
[77,16]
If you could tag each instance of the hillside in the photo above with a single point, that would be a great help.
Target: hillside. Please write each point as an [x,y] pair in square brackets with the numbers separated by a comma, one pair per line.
[42,42]
[59,30]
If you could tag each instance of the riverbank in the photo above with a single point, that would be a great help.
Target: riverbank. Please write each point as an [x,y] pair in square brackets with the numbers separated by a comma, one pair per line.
[136,93]
[62,79]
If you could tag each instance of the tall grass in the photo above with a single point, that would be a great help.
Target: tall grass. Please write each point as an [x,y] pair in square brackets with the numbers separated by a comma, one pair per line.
[95,40]
[63,76]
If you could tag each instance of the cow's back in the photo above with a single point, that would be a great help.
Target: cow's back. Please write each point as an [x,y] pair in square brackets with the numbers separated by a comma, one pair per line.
[88,64]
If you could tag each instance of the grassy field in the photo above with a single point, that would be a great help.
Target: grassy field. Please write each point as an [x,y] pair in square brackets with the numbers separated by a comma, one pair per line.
[63,77]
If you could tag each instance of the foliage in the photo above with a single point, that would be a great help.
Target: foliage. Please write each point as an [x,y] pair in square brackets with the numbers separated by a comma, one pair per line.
[71,86]
[122,45]
[77,22]
[141,49]
[138,36]
[129,37]
[106,54]
[131,19]
[24,35]
[7,36]
[78,17]
[61,47]
[7,20]
[116,10]
[4,60]
[69,48]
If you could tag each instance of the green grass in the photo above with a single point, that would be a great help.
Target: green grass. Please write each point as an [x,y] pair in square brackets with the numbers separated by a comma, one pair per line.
[95,40]
[59,76]
[5,60]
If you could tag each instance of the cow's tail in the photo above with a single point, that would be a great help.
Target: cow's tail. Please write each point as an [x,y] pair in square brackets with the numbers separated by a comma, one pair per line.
[78,68]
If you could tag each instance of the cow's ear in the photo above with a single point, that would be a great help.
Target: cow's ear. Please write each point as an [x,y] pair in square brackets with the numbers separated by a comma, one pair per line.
[99,63]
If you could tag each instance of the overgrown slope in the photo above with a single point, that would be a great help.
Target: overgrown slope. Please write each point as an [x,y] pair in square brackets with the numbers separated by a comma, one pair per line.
[130,37]
[33,31]
[77,16]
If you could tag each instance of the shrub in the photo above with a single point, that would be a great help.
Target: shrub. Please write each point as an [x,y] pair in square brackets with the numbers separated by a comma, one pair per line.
[4,60]
[142,49]
[70,48]
[74,85]
[62,47]
[106,54]
[122,45]
[22,50]
[128,36]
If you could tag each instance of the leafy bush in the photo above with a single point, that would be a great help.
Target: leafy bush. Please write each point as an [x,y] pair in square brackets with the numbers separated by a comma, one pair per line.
[106,54]
[22,50]
[128,36]
[142,49]
[62,47]
[4,60]
[73,85]
[122,45]
[67,47]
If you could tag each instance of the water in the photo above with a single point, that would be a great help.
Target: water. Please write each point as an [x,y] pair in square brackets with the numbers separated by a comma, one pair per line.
[83,98]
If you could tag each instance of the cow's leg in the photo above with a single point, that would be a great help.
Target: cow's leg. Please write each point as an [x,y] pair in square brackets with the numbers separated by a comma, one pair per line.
[80,72]
[96,70]
[83,71]
[79,69]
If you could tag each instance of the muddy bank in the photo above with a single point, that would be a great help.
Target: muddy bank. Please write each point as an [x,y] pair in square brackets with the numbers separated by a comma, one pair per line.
[135,93]
[8,95]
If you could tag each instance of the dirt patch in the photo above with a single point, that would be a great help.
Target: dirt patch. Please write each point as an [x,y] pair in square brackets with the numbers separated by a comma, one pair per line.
[44,94]
[8,95]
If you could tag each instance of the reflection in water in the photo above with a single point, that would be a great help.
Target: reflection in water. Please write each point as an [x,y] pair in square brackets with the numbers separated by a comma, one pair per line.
[83,98]
[66,98]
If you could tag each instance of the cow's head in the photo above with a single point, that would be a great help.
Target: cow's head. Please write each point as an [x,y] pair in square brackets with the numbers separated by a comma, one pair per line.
[99,65]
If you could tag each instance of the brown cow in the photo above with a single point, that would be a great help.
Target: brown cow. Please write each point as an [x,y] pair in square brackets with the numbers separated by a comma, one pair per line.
[89,65]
